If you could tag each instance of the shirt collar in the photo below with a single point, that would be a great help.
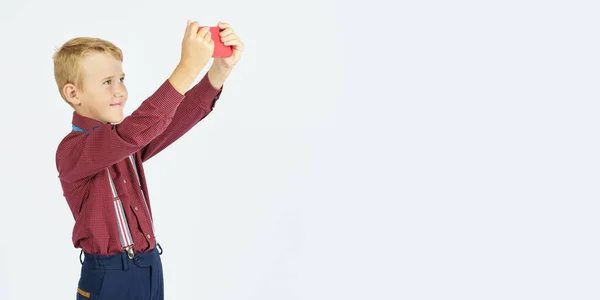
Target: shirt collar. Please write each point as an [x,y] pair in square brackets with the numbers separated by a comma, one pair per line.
[85,123]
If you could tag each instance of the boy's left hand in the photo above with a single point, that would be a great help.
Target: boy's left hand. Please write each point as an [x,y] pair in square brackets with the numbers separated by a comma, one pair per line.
[229,38]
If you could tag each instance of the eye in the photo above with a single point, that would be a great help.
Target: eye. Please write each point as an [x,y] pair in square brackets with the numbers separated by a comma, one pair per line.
[107,81]
[122,79]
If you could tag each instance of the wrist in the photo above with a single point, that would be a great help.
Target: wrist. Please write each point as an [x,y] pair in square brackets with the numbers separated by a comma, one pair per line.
[188,71]
[182,78]
[217,76]
[219,69]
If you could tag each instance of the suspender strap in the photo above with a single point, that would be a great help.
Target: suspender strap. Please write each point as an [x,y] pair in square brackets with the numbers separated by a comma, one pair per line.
[122,225]
[124,233]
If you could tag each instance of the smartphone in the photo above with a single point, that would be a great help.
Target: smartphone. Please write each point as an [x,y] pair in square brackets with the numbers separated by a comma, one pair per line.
[221,50]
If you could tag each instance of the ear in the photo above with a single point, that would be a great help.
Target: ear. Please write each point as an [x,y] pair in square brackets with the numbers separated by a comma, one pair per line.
[72,94]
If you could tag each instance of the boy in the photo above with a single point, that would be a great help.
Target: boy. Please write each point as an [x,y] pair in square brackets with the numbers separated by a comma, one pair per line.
[100,161]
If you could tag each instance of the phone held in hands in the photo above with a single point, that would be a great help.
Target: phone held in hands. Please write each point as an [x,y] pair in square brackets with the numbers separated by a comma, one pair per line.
[221,50]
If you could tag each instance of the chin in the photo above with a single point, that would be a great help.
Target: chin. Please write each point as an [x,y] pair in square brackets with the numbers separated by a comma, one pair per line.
[115,119]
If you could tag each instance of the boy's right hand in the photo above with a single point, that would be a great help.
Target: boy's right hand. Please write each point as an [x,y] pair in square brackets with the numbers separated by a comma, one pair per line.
[197,47]
[196,50]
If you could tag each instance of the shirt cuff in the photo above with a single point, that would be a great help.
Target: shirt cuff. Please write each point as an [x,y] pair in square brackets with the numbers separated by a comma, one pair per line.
[205,93]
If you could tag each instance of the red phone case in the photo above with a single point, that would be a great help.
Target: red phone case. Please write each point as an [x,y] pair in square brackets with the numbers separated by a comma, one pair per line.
[221,50]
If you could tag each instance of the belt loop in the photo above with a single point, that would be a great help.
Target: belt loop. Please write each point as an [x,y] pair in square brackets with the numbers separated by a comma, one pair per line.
[125,260]
[80,254]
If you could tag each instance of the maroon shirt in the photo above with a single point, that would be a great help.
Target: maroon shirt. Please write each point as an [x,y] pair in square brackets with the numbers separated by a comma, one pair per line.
[82,159]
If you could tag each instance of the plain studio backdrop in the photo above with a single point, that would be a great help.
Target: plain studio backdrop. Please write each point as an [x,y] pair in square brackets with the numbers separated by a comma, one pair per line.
[360,150]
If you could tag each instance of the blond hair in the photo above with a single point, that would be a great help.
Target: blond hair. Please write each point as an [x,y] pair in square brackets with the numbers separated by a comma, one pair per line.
[68,58]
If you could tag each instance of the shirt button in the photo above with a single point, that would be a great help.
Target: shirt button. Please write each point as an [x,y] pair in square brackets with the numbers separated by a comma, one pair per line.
[124,181]
[135,208]
[148,236]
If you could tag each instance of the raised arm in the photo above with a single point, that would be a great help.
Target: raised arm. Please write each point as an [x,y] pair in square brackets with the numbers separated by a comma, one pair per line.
[83,154]
[198,103]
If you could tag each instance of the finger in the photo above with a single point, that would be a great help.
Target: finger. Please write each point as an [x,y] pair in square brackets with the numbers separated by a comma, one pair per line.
[239,46]
[208,36]
[223,25]
[187,29]
[203,31]
[194,28]
[236,44]
[231,43]
[230,37]
[226,32]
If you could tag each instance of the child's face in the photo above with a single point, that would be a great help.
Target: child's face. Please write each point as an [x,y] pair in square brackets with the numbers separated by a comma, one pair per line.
[104,92]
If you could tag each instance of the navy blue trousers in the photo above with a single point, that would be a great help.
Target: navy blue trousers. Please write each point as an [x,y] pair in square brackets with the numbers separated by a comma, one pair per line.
[118,277]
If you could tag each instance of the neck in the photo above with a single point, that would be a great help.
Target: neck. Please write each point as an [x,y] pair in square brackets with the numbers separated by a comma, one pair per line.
[88,115]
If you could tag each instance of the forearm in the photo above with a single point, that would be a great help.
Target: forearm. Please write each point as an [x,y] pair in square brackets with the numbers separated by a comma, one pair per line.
[182,78]
[198,103]
[217,76]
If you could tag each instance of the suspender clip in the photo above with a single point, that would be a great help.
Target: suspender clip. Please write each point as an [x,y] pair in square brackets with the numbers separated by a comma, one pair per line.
[129,250]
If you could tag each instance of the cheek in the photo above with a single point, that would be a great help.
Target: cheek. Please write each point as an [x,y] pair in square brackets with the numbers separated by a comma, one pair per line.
[94,97]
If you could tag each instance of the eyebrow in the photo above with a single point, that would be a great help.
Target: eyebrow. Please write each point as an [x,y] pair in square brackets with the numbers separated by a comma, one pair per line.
[105,78]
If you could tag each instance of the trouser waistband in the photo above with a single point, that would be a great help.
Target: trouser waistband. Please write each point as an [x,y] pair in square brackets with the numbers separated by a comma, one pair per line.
[120,261]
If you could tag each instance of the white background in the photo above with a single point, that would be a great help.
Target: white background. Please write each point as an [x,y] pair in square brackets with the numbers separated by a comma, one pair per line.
[360,150]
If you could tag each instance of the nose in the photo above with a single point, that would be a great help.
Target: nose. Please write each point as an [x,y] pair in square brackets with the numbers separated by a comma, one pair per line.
[119,92]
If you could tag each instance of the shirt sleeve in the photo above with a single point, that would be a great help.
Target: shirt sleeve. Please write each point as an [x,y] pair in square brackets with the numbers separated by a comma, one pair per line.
[198,103]
[80,155]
